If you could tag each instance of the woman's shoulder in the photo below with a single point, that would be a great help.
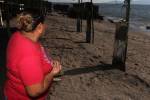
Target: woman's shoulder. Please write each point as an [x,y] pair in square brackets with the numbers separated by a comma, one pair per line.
[22,43]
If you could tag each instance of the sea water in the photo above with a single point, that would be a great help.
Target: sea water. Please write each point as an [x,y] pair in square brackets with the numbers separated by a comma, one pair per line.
[139,15]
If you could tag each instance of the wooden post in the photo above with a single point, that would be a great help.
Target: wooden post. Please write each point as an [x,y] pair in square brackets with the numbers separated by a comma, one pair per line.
[81,15]
[90,23]
[127,10]
[78,17]
[120,45]
[121,40]
[92,19]
[88,28]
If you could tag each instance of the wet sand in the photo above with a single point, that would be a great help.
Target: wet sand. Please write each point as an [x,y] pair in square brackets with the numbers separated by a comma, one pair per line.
[87,67]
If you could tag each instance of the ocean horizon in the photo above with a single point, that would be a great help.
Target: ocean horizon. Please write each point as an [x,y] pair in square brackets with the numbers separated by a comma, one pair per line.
[139,15]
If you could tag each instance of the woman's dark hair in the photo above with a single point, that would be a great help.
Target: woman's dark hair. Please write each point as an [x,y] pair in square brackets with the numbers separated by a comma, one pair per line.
[28,21]
[37,21]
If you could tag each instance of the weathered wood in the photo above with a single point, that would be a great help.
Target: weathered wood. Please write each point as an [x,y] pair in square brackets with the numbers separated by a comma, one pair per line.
[89,18]
[121,39]
[93,32]
[90,23]
[120,45]
[78,17]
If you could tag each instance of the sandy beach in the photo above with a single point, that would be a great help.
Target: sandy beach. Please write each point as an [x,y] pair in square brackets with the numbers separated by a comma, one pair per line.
[88,73]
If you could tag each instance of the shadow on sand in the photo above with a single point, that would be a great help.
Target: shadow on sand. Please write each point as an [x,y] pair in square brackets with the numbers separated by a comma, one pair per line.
[88,69]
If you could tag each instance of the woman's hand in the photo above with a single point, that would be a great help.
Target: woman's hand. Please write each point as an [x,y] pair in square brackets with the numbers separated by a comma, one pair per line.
[39,88]
[56,67]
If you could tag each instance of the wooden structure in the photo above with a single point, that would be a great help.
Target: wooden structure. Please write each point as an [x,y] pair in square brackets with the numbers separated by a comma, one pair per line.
[79,26]
[87,9]
[121,39]
[90,23]
[121,34]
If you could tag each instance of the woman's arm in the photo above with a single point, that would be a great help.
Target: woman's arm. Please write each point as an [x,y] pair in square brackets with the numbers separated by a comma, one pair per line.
[37,89]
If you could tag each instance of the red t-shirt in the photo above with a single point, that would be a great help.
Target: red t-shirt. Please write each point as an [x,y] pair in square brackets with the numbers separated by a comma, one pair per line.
[27,64]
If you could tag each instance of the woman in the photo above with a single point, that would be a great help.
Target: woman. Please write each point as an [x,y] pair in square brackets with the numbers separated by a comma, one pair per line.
[29,70]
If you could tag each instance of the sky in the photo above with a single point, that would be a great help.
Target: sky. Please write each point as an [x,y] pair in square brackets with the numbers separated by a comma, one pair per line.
[105,1]
[96,1]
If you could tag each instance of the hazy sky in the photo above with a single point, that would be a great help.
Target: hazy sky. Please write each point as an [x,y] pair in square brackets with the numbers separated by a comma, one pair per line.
[84,0]
[102,1]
